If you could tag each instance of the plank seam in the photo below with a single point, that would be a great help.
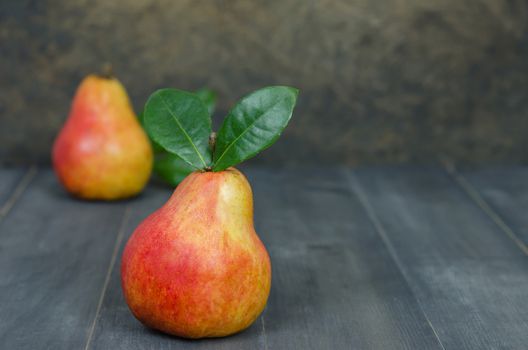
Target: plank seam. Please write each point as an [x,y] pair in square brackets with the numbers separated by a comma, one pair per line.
[475,196]
[117,245]
[365,203]
[264,332]
[19,189]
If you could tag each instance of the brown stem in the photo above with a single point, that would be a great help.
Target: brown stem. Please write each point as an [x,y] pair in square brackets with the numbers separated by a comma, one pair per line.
[106,71]
[212,141]
[212,144]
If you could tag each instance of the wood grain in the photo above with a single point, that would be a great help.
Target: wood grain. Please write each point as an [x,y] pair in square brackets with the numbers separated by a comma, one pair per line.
[335,284]
[469,277]
[378,258]
[13,181]
[503,192]
[54,252]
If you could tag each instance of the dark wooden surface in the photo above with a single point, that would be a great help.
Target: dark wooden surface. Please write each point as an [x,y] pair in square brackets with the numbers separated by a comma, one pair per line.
[375,258]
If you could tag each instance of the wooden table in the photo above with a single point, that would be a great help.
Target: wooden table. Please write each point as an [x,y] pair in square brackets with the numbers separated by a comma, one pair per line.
[375,258]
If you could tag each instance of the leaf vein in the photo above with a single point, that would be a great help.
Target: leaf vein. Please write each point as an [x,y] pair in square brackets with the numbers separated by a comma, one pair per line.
[244,132]
[182,129]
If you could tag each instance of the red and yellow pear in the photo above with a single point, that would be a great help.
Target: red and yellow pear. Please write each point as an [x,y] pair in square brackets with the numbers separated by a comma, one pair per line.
[102,151]
[195,267]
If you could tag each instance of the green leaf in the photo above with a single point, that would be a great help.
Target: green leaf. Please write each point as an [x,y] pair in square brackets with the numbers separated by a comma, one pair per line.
[253,125]
[167,166]
[179,122]
[155,146]
[171,168]
[208,97]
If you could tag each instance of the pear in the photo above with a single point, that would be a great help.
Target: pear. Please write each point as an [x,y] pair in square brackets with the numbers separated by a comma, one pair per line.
[102,151]
[195,267]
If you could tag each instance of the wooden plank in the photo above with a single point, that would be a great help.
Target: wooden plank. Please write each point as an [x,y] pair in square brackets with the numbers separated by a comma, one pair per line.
[469,277]
[503,193]
[54,253]
[13,181]
[334,284]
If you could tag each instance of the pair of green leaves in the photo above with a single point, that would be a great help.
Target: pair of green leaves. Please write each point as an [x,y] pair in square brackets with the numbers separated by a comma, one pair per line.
[168,166]
[180,122]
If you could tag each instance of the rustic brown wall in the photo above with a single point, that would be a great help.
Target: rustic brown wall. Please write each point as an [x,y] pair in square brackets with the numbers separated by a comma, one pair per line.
[381,80]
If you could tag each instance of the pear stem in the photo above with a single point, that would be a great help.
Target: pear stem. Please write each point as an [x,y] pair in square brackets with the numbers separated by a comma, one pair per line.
[212,144]
[107,71]
[212,141]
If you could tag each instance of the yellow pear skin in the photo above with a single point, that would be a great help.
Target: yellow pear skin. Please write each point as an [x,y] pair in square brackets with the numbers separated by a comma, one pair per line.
[102,151]
[195,267]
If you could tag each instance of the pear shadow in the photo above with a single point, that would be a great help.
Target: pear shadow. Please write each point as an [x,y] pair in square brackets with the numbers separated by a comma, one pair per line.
[248,335]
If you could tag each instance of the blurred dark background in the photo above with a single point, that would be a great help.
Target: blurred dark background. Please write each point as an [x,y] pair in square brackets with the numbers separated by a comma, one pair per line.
[381,81]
